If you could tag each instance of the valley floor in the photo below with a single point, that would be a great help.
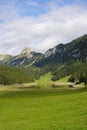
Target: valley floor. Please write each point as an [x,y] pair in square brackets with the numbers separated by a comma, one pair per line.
[48,109]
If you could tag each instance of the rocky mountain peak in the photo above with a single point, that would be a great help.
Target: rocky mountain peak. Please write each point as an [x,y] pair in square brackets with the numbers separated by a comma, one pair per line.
[27,56]
[27,51]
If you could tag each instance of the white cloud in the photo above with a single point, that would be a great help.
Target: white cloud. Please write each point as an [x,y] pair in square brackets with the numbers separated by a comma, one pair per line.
[60,25]
[8,11]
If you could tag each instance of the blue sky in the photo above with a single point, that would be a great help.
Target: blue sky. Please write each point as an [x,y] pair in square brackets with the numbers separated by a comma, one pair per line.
[40,24]
[38,7]
[35,7]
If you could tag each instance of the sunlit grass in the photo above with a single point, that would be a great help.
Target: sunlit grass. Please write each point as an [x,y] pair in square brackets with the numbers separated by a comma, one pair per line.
[37,109]
[65,79]
[44,81]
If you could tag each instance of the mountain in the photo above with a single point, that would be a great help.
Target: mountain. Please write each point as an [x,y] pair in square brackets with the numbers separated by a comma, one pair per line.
[65,53]
[68,59]
[76,50]
[4,58]
[26,57]
[61,60]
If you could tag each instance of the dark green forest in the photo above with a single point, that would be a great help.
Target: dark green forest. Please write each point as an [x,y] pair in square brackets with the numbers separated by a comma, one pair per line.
[12,75]
[77,72]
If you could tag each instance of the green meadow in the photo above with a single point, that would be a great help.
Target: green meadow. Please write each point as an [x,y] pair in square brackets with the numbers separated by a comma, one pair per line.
[43,109]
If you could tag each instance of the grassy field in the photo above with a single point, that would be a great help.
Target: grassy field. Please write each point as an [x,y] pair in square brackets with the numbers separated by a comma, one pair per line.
[48,109]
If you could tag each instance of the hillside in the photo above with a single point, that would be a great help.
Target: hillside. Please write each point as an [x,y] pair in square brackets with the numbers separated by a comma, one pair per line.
[4,58]
[10,75]
[66,53]
[67,59]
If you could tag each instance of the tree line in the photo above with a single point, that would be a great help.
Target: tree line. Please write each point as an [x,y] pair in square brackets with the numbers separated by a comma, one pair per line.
[12,75]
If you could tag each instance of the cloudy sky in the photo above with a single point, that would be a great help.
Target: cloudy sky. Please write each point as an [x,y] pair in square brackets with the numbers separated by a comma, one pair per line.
[40,24]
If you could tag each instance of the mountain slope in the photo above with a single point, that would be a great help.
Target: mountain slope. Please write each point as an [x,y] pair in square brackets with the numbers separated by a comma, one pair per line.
[4,58]
[27,56]
[65,53]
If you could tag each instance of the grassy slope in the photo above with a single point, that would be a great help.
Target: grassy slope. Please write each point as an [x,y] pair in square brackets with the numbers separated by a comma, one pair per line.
[44,81]
[43,110]
[65,79]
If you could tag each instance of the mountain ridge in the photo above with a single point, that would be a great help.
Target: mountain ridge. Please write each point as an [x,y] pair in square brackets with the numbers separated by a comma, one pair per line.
[61,53]
[73,51]
[27,56]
